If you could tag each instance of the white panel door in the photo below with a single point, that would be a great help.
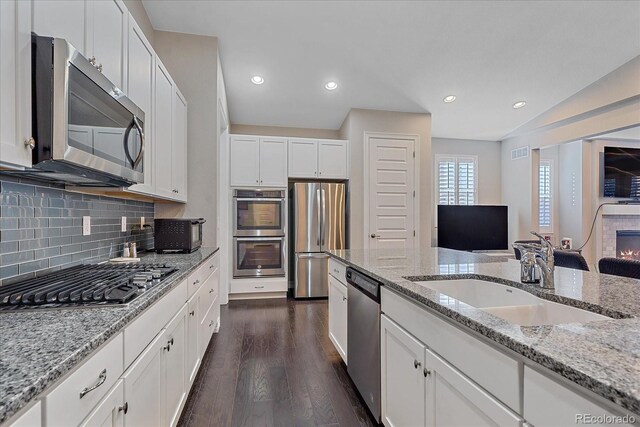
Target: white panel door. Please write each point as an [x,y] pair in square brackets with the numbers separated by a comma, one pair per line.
[175,387]
[332,159]
[110,411]
[15,82]
[454,400]
[245,160]
[140,81]
[163,133]
[338,316]
[64,19]
[106,38]
[391,193]
[403,386]
[143,386]
[179,147]
[273,162]
[193,347]
[303,158]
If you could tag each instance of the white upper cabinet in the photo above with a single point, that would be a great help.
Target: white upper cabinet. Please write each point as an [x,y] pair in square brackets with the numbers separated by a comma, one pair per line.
[245,160]
[303,158]
[273,162]
[179,146]
[66,19]
[15,84]
[332,159]
[107,38]
[140,83]
[163,121]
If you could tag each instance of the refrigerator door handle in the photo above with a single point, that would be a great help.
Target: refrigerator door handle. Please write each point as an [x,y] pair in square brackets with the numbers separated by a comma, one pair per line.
[324,217]
[318,197]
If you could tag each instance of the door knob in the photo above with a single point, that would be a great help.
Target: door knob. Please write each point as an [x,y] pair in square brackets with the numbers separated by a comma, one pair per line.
[373,235]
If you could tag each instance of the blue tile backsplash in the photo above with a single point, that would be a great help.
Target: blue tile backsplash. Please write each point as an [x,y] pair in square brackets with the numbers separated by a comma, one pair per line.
[41,228]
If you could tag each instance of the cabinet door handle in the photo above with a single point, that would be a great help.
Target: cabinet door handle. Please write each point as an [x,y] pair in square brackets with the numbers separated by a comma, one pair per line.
[101,379]
[210,291]
[344,298]
[196,282]
[100,67]
[211,266]
[192,313]
[211,323]
[31,143]
[170,341]
[167,347]
[426,372]
[124,408]
[416,364]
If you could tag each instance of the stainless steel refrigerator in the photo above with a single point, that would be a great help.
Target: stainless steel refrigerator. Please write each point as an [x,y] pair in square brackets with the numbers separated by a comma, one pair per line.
[318,224]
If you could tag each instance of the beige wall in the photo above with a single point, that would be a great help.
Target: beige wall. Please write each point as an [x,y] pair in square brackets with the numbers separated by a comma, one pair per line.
[192,61]
[612,103]
[358,122]
[284,131]
[142,19]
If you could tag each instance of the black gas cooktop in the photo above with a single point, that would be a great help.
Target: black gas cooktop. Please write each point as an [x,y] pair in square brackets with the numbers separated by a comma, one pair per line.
[94,285]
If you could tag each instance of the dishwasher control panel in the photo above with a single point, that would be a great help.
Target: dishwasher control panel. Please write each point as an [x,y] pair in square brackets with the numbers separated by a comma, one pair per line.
[365,284]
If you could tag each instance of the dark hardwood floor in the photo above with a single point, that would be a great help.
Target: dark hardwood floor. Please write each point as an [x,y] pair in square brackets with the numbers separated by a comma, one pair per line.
[272,364]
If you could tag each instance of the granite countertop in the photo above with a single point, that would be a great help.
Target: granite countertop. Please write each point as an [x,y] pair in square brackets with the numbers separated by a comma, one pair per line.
[39,347]
[602,356]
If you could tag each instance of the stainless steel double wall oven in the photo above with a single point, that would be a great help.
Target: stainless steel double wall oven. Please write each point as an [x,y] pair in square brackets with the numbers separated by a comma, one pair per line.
[259,233]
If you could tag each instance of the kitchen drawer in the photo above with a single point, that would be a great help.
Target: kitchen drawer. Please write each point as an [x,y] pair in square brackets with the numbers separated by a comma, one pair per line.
[338,270]
[258,286]
[141,331]
[208,294]
[467,353]
[201,274]
[65,406]
[549,403]
[208,325]
[31,418]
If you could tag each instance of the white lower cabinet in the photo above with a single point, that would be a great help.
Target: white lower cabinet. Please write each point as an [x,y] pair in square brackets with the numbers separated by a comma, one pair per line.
[142,386]
[31,418]
[193,346]
[174,365]
[110,411]
[402,380]
[338,316]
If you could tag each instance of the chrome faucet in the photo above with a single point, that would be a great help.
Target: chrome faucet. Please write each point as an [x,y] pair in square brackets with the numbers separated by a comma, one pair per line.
[536,259]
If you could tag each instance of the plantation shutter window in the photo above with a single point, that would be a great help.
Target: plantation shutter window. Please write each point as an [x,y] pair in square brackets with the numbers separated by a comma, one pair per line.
[545,194]
[457,180]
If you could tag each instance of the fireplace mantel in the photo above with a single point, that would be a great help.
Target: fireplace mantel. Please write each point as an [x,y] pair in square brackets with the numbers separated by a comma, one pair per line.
[621,209]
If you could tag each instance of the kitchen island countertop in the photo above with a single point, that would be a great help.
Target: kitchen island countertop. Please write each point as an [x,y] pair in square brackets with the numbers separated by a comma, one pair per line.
[41,346]
[602,356]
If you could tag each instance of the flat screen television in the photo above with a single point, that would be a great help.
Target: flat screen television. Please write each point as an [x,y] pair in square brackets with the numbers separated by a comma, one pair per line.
[622,172]
[473,228]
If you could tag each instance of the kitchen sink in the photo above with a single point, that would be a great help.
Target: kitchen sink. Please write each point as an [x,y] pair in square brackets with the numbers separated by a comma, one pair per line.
[513,305]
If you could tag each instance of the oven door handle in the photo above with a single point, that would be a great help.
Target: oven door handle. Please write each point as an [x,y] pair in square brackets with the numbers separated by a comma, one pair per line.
[259,239]
[259,199]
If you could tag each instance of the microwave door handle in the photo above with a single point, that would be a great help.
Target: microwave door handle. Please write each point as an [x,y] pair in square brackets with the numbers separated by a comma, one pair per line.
[138,159]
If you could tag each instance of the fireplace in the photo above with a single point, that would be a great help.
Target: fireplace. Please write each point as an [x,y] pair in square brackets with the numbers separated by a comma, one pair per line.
[628,244]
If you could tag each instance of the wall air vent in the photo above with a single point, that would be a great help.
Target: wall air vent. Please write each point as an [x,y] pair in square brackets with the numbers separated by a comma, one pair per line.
[520,153]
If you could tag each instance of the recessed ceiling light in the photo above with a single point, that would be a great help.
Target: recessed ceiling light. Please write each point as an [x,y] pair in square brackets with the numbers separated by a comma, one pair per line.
[257,80]
[449,98]
[331,86]
[519,104]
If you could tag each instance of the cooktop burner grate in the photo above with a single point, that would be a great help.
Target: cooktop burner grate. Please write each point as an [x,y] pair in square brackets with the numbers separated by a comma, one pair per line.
[84,286]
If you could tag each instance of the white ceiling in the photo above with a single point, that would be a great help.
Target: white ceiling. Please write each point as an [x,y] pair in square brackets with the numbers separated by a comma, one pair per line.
[407,56]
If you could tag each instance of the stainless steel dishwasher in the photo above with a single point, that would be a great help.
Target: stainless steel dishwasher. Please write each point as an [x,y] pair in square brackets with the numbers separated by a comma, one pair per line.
[363,337]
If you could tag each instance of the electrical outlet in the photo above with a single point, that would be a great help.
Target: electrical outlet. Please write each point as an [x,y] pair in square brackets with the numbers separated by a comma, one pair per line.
[86,225]
[123,223]
[141,221]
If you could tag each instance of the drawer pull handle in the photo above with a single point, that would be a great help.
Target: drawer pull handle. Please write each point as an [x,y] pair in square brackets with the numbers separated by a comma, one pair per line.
[211,266]
[211,323]
[170,341]
[259,287]
[124,408]
[426,372]
[101,379]
[210,291]
[192,313]
[167,347]
[196,282]
[344,298]
[416,364]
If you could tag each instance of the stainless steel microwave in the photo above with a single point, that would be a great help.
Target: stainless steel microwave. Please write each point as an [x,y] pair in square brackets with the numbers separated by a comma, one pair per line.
[86,131]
